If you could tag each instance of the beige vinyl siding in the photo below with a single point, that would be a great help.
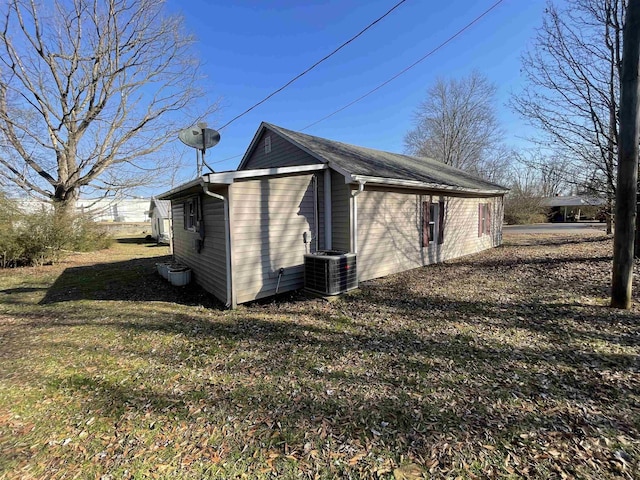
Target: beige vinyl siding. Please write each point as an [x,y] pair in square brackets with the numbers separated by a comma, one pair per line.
[283,154]
[390,231]
[340,213]
[461,227]
[270,217]
[208,267]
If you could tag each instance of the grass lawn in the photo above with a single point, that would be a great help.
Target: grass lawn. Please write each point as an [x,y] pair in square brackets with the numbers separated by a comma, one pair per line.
[503,364]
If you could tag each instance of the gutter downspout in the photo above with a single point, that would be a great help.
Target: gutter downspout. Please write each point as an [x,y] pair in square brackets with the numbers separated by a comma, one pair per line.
[355,214]
[328,233]
[316,223]
[227,237]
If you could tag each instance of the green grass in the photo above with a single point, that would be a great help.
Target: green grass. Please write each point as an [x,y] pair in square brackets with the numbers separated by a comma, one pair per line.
[505,364]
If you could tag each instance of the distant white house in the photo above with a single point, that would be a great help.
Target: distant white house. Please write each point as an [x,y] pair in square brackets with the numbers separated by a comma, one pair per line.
[128,210]
[159,213]
[31,205]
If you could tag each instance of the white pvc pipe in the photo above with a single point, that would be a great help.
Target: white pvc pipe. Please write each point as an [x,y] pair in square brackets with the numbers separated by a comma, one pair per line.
[316,223]
[355,215]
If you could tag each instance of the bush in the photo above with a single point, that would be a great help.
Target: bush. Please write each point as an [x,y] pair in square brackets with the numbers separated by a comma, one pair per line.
[10,248]
[89,236]
[524,218]
[522,209]
[43,237]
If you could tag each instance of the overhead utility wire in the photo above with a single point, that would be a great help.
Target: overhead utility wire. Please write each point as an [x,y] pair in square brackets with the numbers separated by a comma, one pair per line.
[459,32]
[228,158]
[448,40]
[312,66]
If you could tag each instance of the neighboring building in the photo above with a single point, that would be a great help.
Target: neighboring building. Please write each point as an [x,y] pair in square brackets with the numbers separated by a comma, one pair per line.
[571,207]
[244,233]
[32,205]
[159,213]
[127,210]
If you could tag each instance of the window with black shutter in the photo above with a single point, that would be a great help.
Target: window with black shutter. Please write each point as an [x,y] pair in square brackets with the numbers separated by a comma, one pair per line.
[432,223]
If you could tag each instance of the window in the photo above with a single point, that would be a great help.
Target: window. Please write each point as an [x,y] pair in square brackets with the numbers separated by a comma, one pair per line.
[267,144]
[432,222]
[192,215]
[433,214]
[484,219]
[441,212]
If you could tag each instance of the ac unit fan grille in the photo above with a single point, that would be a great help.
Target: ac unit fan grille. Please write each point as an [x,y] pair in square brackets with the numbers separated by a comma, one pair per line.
[330,274]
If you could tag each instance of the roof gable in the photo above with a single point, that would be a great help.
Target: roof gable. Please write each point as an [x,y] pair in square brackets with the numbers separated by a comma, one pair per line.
[282,152]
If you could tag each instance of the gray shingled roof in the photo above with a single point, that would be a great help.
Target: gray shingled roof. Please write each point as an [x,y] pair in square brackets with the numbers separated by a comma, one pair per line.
[163,207]
[375,163]
[572,201]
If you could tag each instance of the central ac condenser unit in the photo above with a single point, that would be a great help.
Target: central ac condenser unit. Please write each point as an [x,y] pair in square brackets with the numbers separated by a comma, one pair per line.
[330,272]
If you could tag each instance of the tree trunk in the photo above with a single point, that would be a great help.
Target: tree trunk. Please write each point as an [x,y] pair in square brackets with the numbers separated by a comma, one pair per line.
[623,239]
[64,204]
[636,243]
[608,216]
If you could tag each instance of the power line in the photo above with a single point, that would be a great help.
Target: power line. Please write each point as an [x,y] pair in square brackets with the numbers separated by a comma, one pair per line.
[448,40]
[312,66]
[228,158]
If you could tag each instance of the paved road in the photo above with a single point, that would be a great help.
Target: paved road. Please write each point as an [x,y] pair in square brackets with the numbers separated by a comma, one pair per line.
[566,228]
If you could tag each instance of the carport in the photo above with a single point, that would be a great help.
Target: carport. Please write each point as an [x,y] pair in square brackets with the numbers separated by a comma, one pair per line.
[569,208]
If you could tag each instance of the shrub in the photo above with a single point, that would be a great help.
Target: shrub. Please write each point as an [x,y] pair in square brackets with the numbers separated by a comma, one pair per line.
[43,237]
[10,249]
[89,236]
[523,209]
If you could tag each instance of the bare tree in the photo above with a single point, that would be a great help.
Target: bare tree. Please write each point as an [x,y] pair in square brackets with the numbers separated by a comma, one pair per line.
[573,85]
[623,241]
[456,124]
[553,175]
[523,203]
[90,92]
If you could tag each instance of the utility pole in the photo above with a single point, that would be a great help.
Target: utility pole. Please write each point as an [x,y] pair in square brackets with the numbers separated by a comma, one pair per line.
[624,236]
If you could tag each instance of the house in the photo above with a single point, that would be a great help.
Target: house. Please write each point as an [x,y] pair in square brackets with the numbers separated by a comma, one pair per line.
[244,233]
[564,208]
[127,210]
[159,213]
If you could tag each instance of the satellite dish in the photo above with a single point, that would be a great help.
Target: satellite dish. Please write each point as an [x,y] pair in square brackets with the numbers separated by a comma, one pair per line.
[200,138]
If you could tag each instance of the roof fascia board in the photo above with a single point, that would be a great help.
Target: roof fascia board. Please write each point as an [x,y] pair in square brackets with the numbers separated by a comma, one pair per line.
[230,177]
[180,188]
[348,178]
[423,185]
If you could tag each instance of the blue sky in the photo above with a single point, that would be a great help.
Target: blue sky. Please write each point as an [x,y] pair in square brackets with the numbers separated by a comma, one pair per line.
[250,48]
